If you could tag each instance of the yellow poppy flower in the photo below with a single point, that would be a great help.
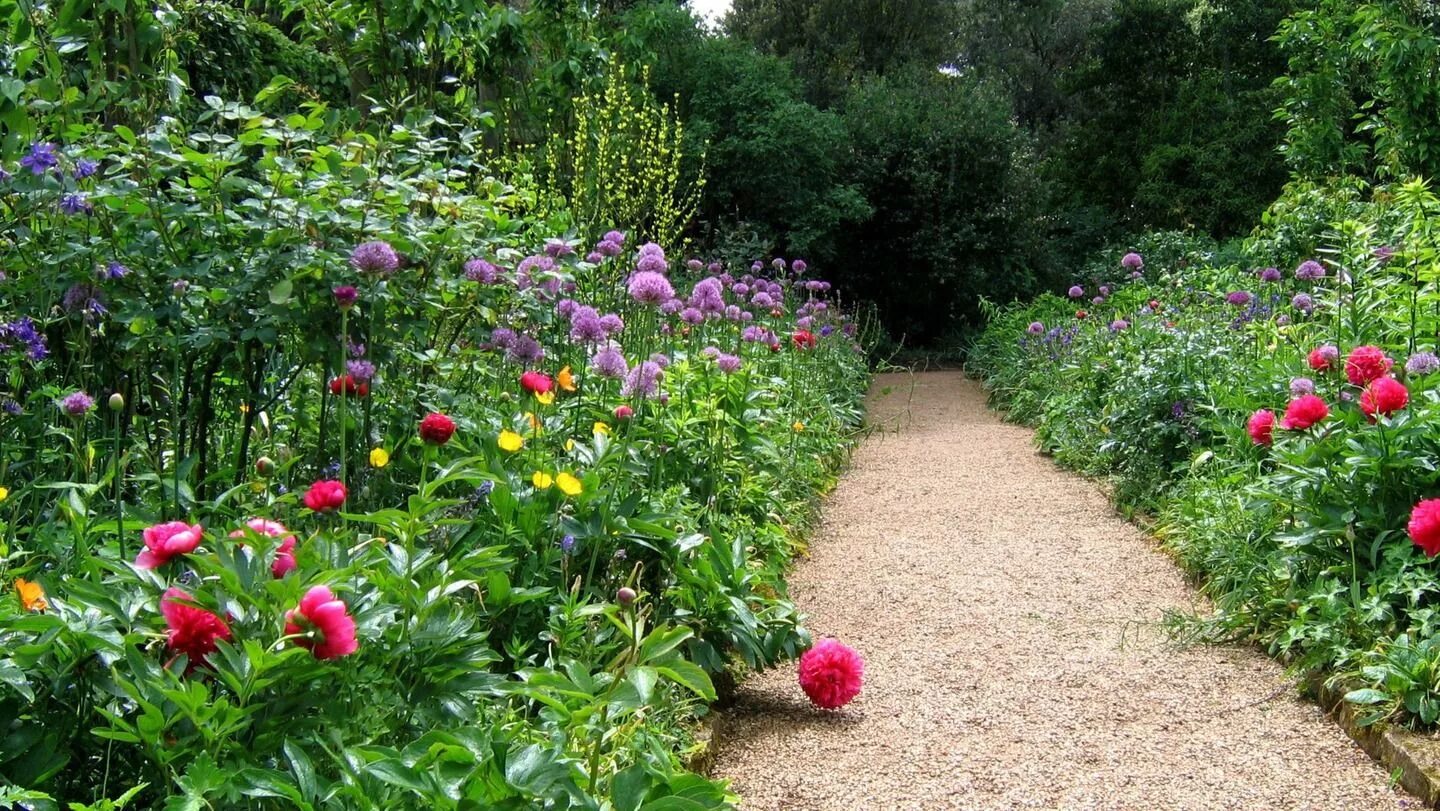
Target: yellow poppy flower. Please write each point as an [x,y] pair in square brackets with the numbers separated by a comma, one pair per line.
[545,397]
[602,428]
[4,493]
[379,457]
[32,597]
[511,441]
[569,485]
[565,379]
[798,426]
[542,480]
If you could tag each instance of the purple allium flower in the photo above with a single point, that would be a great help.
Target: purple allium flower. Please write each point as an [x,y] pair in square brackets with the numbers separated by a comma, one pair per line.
[616,237]
[76,404]
[85,168]
[1269,275]
[660,359]
[1303,302]
[1132,261]
[1422,363]
[608,248]
[40,159]
[671,306]
[690,315]
[179,287]
[375,257]
[362,370]
[585,326]
[345,296]
[1104,289]
[715,268]
[525,350]
[1328,353]
[1301,386]
[75,203]
[1076,292]
[777,263]
[84,299]
[1098,300]
[609,362]
[650,249]
[1035,328]
[1310,270]
[113,271]
[729,364]
[710,352]
[567,307]
[643,380]
[1119,324]
[530,267]
[1136,275]
[556,248]
[695,265]
[612,324]
[732,312]
[799,266]
[740,289]
[762,300]
[650,287]
[746,315]
[23,331]
[805,322]
[1239,298]
[708,296]
[479,270]
[355,350]
[1347,396]
[651,263]
[502,338]
[594,257]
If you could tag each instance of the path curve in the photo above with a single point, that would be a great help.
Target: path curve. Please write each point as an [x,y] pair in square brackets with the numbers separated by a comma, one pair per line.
[1008,619]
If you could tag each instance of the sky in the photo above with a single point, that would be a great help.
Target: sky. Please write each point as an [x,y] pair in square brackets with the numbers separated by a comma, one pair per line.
[710,9]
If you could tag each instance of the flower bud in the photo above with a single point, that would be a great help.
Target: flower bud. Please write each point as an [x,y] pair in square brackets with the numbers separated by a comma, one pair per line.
[265,466]
[117,402]
[625,596]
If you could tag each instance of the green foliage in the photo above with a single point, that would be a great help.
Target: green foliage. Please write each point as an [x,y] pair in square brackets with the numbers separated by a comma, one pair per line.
[231,54]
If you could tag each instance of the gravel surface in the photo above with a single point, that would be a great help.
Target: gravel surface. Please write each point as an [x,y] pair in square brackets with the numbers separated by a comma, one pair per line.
[1009,620]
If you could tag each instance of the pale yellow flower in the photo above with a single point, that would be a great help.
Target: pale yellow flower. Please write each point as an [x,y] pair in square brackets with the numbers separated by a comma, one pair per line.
[569,485]
[542,480]
[511,441]
[798,426]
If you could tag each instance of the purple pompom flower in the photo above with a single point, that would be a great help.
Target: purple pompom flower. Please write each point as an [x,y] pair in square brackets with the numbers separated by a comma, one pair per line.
[1310,270]
[375,257]
[77,404]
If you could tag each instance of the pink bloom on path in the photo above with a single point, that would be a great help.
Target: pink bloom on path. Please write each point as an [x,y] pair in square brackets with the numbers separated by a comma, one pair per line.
[168,540]
[831,674]
[284,562]
[1424,526]
[329,632]
[1261,426]
[192,631]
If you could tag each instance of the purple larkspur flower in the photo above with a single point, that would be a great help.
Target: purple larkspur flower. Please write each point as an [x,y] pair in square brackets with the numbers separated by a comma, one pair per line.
[1238,298]
[609,362]
[643,380]
[1301,386]
[1076,291]
[1310,270]
[113,271]
[481,271]
[85,168]
[1422,363]
[1269,275]
[363,371]
[1303,302]
[40,159]
[650,287]
[375,257]
[76,404]
[11,407]
[76,203]
[84,299]
[23,331]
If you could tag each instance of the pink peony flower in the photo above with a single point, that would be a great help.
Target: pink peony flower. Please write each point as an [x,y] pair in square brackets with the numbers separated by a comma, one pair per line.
[284,562]
[165,541]
[1424,526]
[1385,396]
[326,629]
[1304,412]
[1261,426]
[191,631]
[831,674]
[437,428]
[325,496]
[536,382]
[1366,364]
[1322,358]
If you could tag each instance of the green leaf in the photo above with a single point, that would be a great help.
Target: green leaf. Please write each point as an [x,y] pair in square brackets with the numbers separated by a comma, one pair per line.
[690,676]
[280,293]
[1366,696]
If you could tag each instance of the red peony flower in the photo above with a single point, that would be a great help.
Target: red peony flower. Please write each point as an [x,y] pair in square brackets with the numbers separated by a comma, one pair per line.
[437,428]
[1424,526]
[326,629]
[536,382]
[1304,412]
[1261,426]
[347,385]
[1366,364]
[165,541]
[831,674]
[624,412]
[1383,396]
[192,631]
[803,339]
[284,562]
[325,496]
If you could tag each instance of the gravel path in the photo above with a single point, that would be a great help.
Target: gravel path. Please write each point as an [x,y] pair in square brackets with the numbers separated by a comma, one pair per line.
[1009,623]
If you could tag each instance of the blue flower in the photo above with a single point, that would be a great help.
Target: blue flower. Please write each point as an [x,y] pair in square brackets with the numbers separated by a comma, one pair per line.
[40,159]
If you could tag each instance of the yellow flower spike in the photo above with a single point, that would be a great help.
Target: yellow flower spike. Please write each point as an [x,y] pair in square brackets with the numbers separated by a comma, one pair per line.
[32,597]
[545,397]
[602,428]
[798,426]
[4,493]
[510,441]
[569,485]
[566,379]
[542,480]
[379,457]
